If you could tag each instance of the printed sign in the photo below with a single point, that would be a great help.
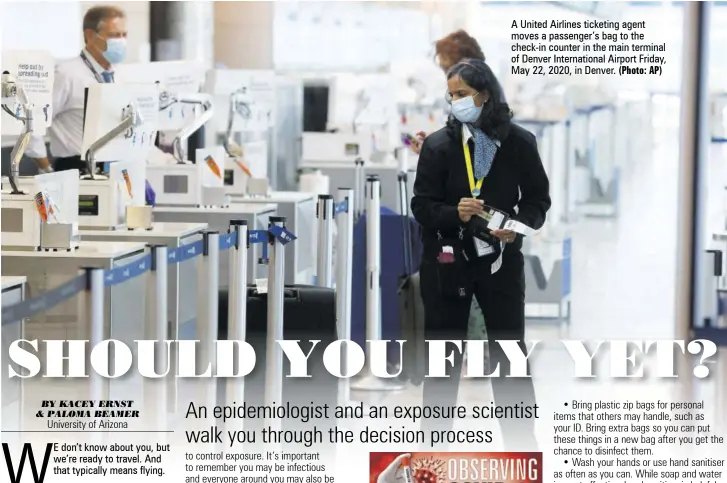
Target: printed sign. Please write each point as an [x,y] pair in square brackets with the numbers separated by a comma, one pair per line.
[47,209]
[34,71]
[174,79]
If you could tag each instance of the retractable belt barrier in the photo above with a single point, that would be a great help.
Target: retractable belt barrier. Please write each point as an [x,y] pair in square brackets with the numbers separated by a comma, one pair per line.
[95,280]
[119,275]
[326,211]
[369,382]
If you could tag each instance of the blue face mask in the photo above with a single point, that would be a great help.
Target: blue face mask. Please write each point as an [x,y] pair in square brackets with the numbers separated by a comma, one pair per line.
[465,110]
[115,50]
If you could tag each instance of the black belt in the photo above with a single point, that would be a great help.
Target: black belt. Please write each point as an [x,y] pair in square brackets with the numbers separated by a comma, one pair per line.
[69,163]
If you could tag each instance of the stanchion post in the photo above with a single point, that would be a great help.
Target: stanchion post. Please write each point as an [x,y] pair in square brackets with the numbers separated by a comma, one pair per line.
[95,294]
[373,258]
[403,179]
[324,214]
[276,289]
[207,310]
[403,159]
[368,382]
[711,273]
[694,129]
[155,390]
[344,262]
[358,182]
[237,305]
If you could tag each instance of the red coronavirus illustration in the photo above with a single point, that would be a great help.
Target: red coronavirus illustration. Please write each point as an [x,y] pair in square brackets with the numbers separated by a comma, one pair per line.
[429,470]
[425,476]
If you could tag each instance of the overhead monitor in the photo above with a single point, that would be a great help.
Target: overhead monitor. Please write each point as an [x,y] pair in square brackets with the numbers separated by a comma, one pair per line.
[35,71]
[315,107]
[175,79]
[107,105]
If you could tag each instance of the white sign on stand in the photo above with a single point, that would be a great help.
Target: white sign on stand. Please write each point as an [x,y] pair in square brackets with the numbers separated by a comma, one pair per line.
[255,155]
[62,189]
[55,195]
[250,93]
[107,106]
[35,72]
[175,78]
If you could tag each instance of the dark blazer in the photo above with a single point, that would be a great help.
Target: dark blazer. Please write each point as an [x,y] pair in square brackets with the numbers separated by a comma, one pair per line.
[517,184]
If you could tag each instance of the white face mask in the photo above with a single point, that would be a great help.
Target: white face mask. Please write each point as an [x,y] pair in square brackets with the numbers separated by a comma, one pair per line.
[465,110]
[115,50]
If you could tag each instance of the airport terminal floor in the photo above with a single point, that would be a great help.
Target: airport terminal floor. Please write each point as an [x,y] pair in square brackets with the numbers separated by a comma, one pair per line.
[179,172]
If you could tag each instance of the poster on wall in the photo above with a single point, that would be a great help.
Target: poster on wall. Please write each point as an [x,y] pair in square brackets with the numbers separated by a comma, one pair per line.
[34,72]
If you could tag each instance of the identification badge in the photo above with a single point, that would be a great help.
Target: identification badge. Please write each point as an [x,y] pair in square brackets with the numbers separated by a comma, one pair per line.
[495,218]
[483,248]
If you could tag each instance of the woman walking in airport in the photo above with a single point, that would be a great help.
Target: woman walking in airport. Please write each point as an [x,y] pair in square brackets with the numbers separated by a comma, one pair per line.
[450,50]
[480,159]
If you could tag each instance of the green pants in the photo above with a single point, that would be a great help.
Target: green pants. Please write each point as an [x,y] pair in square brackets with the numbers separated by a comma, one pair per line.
[476,327]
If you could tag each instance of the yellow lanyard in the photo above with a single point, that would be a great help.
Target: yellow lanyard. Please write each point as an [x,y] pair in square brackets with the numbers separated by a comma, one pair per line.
[474,187]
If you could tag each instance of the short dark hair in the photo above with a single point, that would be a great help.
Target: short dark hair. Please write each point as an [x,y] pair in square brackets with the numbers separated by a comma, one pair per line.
[496,113]
[459,45]
[95,15]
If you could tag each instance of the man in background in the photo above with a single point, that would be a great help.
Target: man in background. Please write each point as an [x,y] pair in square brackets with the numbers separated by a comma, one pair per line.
[449,51]
[456,47]
[104,33]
